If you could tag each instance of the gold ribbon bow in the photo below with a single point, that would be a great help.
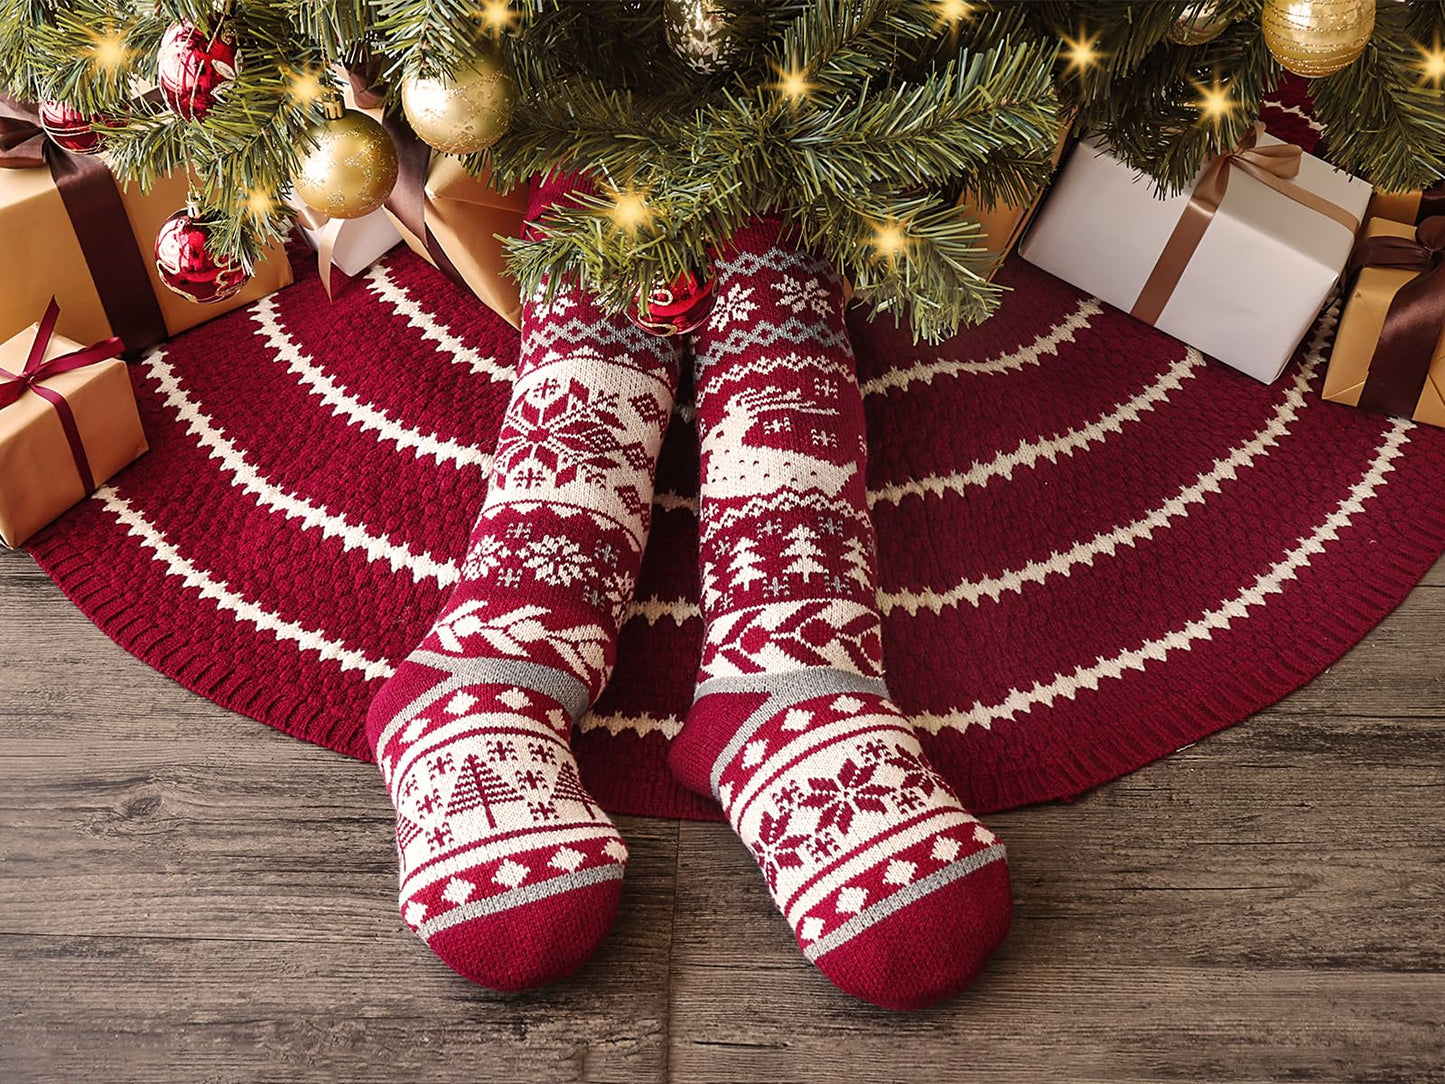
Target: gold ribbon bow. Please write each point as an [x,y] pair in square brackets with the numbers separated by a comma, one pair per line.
[327,230]
[1275,165]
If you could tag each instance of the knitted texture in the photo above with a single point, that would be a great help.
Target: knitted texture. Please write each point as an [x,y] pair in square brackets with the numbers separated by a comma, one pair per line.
[509,870]
[891,888]
[1095,545]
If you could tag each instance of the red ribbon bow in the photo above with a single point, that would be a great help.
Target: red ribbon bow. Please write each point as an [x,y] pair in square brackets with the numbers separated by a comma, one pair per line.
[1401,363]
[14,385]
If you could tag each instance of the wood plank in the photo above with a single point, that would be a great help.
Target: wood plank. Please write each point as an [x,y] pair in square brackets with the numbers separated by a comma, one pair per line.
[190,896]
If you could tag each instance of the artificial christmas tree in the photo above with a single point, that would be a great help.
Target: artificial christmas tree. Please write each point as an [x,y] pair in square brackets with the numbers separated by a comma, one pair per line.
[855,119]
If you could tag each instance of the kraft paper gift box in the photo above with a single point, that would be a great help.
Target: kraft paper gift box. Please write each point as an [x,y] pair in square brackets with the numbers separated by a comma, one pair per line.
[467,219]
[1262,269]
[1408,207]
[39,478]
[1359,333]
[1004,223]
[47,259]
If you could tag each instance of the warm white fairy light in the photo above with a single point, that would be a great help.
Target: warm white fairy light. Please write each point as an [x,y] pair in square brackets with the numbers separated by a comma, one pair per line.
[108,51]
[1082,52]
[1215,103]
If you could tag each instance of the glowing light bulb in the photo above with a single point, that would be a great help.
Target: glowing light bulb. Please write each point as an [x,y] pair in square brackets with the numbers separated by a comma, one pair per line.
[1215,102]
[1082,52]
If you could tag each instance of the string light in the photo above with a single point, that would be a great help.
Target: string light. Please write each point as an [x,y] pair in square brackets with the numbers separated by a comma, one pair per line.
[630,211]
[793,84]
[258,203]
[1432,64]
[497,16]
[1215,102]
[890,240]
[108,51]
[950,13]
[1080,52]
[305,87]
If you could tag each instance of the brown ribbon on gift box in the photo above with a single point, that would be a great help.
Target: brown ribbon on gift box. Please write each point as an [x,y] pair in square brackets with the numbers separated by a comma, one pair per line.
[1272,165]
[1400,365]
[94,207]
[36,369]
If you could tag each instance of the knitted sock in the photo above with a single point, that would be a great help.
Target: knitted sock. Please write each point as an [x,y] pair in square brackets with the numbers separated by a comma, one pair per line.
[509,870]
[892,889]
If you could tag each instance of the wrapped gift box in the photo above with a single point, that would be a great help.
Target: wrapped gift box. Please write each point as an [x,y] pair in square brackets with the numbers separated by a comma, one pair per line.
[468,219]
[1004,223]
[360,242]
[49,260]
[39,478]
[1254,284]
[1409,207]
[1353,358]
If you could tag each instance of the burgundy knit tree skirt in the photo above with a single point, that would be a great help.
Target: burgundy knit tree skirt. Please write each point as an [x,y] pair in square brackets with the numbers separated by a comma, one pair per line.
[1097,546]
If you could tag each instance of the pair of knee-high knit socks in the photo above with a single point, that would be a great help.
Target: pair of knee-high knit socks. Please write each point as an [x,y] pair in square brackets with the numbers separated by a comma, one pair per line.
[509,870]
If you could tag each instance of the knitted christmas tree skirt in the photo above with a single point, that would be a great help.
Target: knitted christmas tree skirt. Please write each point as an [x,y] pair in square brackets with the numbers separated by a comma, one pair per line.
[1096,545]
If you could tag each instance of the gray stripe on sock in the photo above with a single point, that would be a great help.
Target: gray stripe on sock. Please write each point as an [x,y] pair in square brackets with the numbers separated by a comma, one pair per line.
[784,690]
[517,897]
[902,898]
[561,686]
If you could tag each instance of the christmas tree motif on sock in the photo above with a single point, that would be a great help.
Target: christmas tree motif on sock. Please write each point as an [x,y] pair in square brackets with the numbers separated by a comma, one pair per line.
[509,869]
[891,887]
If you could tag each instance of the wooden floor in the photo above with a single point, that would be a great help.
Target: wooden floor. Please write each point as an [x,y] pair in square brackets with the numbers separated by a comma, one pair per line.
[188,896]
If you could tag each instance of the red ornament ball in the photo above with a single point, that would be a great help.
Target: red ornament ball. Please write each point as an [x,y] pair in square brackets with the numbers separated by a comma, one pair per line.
[676,307]
[69,128]
[188,268]
[195,69]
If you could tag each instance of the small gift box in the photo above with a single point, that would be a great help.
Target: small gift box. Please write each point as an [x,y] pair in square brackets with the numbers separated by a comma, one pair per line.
[1409,207]
[1389,353]
[1004,223]
[351,245]
[1238,268]
[68,422]
[90,243]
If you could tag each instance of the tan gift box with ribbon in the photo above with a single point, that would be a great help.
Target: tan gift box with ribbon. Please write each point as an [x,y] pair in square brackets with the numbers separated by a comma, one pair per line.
[68,422]
[1004,223]
[1238,268]
[1389,353]
[1409,207]
[450,218]
[78,236]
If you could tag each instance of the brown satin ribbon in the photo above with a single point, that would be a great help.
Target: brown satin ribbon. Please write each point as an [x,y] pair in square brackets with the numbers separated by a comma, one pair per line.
[1400,365]
[1432,203]
[1273,165]
[93,204]
[36,369]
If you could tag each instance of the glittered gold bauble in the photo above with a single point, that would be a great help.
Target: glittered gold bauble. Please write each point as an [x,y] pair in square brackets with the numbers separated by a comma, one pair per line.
[701,32]
[1198,23]
[351,170]
[1315,38]
[466,113]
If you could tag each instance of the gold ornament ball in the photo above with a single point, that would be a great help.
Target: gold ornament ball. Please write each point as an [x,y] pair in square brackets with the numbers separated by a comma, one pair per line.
[1315,38]
[1199,23]
[352,168]
[467,113]
[701,32]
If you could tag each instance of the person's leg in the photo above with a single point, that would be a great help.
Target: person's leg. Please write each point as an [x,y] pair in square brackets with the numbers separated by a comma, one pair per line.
[509,870]
[891,887]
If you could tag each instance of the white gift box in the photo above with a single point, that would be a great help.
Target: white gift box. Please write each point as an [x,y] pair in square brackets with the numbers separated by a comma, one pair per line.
[360,242]
[1262,270]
